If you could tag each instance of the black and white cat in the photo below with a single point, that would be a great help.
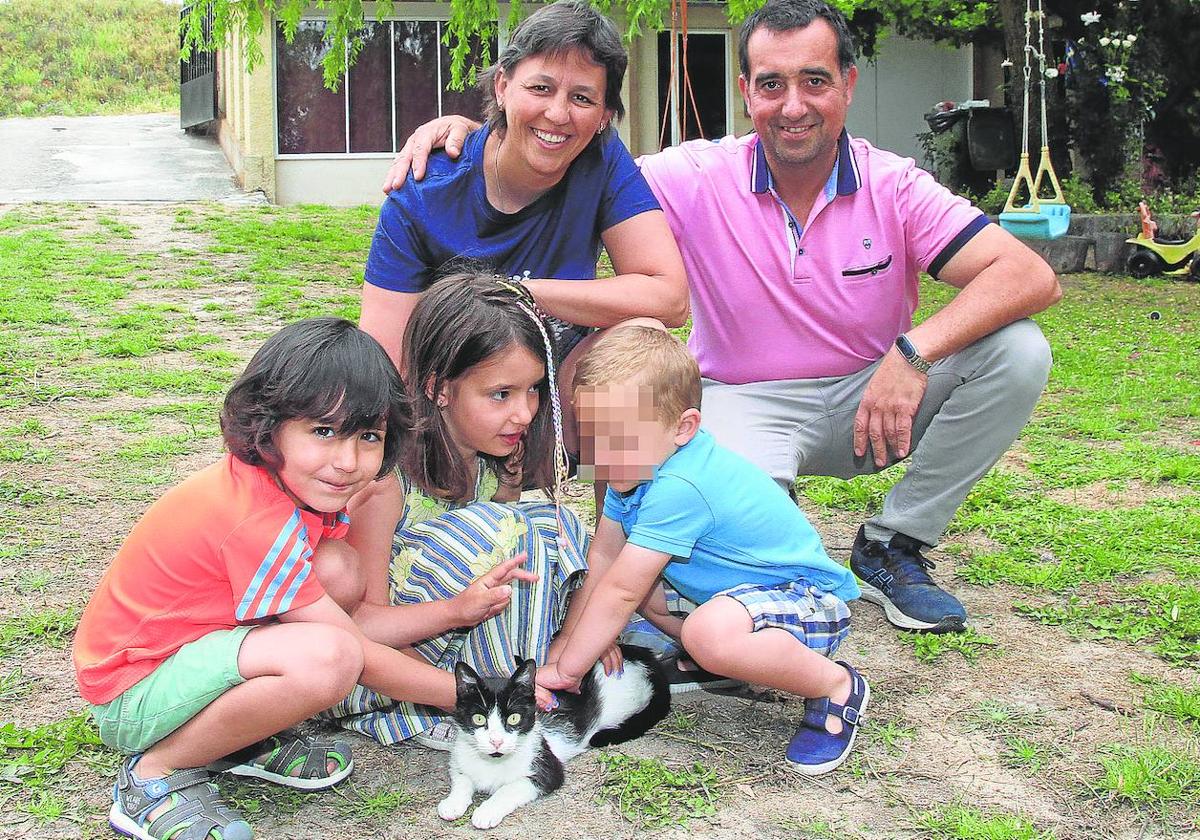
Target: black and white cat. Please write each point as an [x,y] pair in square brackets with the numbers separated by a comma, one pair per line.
[508,748]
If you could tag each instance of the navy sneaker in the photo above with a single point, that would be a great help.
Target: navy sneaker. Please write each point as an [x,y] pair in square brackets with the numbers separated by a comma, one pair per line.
[814,750]
[894,576]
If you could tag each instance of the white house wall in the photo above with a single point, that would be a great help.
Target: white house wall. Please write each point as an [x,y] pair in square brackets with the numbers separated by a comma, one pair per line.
[900,85]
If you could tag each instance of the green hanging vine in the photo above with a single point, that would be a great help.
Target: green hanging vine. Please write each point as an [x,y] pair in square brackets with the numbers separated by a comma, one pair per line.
[473,23]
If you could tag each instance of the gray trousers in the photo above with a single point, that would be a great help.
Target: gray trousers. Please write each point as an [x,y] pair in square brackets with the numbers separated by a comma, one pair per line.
[976,403]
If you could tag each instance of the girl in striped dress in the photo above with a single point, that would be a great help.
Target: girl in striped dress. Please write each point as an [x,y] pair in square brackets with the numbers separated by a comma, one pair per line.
[442,538]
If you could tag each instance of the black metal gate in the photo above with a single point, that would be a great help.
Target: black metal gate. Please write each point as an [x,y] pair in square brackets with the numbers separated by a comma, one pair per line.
[197,78]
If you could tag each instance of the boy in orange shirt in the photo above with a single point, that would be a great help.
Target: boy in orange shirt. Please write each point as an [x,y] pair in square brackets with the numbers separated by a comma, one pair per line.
[210,633]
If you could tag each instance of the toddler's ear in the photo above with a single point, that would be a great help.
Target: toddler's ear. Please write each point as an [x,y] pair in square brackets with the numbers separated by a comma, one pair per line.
[689,424]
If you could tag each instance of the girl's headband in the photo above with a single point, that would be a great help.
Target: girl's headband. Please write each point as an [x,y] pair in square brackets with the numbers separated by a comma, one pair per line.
[527,304]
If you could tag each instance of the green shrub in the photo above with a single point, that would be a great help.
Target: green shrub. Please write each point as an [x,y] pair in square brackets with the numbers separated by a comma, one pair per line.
[1078,194]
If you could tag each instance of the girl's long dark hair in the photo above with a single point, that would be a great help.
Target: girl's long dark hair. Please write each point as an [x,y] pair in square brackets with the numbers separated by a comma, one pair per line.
[460,321]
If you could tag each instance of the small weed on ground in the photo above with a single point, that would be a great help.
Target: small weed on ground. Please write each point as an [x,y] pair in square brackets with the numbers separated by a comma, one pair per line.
[1153,776]
[652,795]
[49,627]
[959,822]
[929,647]
[1174,701]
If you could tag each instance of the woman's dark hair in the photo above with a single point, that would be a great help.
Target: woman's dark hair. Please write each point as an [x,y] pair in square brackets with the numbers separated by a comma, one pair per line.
[460,321]
[553,30]
[781,16]
[320,369]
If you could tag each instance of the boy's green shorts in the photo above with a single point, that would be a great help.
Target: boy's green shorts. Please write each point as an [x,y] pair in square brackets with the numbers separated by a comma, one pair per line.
[173,693]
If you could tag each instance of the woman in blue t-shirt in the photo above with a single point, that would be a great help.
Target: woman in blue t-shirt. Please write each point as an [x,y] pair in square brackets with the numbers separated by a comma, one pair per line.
[535,193]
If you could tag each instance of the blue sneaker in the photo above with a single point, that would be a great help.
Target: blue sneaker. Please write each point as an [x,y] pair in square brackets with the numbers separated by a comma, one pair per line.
[814,750]
[894,576]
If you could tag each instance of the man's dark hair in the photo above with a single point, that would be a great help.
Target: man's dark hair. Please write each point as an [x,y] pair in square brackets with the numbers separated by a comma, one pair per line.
[785,15]
[553,30]
[460,321]
[323,369]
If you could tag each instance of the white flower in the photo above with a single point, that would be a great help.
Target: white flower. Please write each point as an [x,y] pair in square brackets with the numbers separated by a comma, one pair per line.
[1089,18]
[1051,72]
[1104,42]
[1116,74]
[1129,39]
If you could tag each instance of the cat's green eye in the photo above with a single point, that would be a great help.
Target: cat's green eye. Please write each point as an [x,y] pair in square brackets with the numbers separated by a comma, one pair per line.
[478,720]
[514,719]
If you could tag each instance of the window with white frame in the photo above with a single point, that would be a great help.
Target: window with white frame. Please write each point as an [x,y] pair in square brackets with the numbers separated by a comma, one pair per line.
[398,82]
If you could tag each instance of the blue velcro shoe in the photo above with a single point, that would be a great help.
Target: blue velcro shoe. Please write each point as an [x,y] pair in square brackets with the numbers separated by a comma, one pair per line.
[814,750]
[894,576]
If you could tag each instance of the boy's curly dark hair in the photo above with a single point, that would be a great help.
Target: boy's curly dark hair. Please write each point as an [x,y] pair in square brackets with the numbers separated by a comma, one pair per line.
[319,369]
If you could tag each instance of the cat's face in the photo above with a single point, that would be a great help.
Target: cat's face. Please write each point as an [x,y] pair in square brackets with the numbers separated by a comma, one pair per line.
[494,713]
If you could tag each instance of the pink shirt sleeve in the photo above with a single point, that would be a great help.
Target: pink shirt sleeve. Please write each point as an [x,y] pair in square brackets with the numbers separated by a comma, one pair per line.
[938,222]
[672,178]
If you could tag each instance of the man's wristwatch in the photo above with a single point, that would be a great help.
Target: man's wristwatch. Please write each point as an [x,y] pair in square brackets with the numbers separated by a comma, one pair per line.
[910,354]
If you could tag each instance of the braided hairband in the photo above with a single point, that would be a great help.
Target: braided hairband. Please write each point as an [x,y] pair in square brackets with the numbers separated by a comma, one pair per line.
[526,303]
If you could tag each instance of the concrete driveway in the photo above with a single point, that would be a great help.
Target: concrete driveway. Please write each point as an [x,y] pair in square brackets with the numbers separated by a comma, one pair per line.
[145,157]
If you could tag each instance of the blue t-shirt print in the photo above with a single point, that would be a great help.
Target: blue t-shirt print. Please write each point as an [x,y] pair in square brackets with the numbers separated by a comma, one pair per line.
[427,224]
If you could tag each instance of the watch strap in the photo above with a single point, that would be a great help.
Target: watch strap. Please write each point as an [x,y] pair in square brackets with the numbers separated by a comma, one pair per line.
[909,351]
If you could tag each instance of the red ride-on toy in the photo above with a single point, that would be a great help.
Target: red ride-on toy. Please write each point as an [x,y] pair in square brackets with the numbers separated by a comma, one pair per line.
[1155,255]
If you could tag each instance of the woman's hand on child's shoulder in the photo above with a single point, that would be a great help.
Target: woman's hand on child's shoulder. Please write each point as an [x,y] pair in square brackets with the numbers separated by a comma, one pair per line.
[489,594]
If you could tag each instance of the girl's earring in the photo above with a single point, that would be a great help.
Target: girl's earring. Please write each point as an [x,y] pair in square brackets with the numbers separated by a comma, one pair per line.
[500,104]
[442,402]
[603,126]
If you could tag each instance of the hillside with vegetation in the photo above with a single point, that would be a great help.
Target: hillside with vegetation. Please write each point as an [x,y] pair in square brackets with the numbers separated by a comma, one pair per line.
[88,57]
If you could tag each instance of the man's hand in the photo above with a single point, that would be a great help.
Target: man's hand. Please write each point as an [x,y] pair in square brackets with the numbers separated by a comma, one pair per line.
[489,594]
[548,676]
[447,132]
[889,404]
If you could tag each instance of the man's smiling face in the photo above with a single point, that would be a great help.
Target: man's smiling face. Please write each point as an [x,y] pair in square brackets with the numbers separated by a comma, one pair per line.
[796,94]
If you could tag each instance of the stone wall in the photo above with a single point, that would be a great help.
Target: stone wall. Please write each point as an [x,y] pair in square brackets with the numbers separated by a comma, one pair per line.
[1096,242]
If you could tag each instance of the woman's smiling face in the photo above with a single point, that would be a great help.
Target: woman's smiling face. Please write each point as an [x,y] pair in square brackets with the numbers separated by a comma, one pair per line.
[554,106]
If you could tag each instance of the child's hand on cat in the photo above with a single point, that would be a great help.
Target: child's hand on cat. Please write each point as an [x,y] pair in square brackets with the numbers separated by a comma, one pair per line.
[548,676]
[489,594]
[614,662]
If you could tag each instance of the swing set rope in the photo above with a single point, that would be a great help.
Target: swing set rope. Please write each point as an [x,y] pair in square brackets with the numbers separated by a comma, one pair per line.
[1045,166]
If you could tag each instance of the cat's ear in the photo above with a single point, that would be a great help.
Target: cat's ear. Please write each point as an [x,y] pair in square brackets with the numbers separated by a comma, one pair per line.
[466,681]
[525,674]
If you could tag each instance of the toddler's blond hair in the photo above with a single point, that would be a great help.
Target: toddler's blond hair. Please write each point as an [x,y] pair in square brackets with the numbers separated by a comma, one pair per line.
[644,356]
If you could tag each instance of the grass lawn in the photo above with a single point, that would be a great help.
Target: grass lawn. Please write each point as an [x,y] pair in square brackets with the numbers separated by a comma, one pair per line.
[1071,708]
[88,57]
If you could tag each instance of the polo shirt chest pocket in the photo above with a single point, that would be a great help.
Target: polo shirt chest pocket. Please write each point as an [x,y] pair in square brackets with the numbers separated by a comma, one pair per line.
[864,272]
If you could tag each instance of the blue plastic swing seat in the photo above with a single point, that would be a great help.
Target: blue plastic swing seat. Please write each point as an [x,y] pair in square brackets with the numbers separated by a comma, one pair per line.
[1050,221]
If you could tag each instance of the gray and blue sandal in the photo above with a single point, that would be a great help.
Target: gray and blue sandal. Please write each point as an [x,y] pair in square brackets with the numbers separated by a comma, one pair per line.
[196,810]
[277,759]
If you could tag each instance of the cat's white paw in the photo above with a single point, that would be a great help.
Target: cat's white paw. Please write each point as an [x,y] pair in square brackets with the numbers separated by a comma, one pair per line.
[488,815]
[453,807]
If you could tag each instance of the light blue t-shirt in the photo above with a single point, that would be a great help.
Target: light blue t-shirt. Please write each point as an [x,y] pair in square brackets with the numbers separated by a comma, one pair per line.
[725,522]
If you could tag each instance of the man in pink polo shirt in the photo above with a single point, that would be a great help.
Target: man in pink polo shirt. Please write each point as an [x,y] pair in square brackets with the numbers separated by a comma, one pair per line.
[803,248]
